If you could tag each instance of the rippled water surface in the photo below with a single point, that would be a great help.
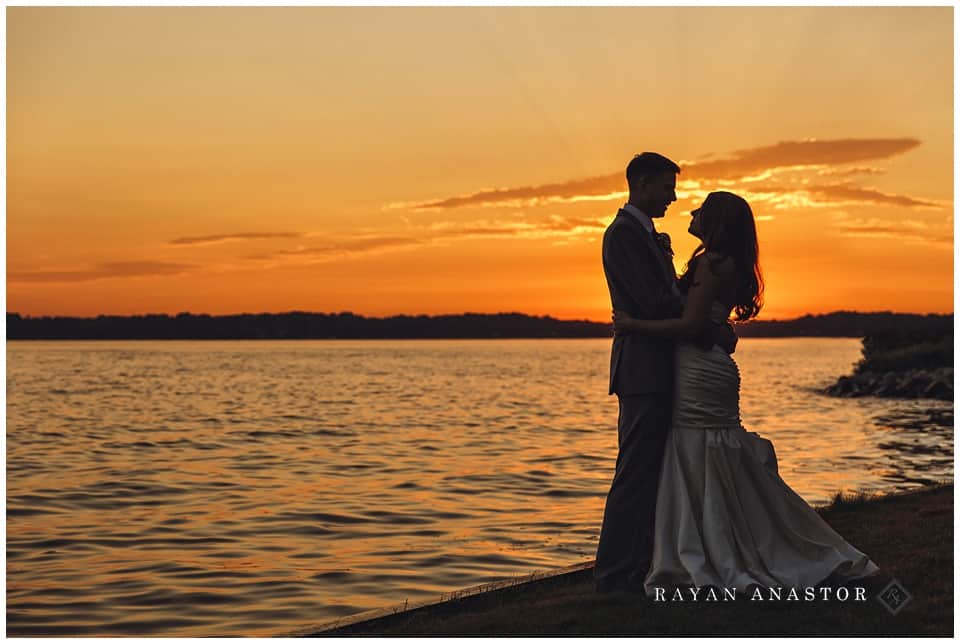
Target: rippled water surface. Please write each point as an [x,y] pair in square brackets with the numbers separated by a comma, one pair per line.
[253,488]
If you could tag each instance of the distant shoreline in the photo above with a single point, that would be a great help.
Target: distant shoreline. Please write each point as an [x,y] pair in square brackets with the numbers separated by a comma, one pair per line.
[29,340]
[498,339]
[497,326]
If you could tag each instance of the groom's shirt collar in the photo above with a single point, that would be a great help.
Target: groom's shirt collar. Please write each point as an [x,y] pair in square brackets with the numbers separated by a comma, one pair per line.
[640,216]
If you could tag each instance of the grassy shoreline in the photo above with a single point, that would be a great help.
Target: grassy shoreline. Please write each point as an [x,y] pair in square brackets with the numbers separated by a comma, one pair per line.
[909,535]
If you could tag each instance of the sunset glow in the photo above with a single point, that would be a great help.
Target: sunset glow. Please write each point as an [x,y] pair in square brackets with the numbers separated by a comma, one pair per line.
[443,160]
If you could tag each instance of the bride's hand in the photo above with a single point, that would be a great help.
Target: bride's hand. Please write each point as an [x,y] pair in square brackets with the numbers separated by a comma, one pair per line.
[622,323]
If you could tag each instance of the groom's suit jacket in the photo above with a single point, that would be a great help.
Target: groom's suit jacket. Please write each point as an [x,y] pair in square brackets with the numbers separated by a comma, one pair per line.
[641,280]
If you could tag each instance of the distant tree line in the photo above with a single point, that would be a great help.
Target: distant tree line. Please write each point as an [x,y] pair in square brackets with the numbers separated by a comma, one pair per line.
[298,325]
[850,324]
[301,325]
[906,349]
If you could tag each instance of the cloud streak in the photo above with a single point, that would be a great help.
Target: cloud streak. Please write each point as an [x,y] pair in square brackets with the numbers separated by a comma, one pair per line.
[849,172]
[906,230]
[563,191]
[553,226]
[797,154]
[853,193]
[104,271]
[438,233]
[219,239]
[333,249]
[822,158]
[345,247]
[803,195]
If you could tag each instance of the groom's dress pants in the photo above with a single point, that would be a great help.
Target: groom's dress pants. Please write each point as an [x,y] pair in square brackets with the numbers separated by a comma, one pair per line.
[626,537]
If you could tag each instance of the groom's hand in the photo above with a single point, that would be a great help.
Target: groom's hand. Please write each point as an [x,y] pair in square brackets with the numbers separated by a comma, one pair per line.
[721,335]
[726,337]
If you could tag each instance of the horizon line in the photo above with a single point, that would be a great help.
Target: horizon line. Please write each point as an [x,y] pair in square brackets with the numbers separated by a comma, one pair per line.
[439,315]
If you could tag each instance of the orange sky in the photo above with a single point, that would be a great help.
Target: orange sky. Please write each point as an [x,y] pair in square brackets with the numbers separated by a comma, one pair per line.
[443,160]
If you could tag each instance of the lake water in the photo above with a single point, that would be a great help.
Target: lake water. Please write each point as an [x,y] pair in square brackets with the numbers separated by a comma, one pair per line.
[256,487]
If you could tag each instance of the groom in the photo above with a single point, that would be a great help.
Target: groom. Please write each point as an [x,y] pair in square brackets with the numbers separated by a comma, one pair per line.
[642,282]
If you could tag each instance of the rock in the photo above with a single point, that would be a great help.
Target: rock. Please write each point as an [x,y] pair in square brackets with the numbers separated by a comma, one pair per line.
[915,383]
[940,389]
[887,385]
[841,387]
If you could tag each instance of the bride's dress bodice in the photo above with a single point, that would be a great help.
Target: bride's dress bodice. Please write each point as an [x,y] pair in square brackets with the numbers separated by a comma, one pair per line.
[719,312]
[706,383]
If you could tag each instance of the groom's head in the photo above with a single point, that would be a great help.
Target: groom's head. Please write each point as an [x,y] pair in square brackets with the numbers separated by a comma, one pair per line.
[652,180]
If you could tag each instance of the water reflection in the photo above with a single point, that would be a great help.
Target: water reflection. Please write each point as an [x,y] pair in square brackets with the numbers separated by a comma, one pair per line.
[918,445]
[248,488]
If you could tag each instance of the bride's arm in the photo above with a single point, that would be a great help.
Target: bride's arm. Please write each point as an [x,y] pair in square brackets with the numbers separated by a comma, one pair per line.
[696,312]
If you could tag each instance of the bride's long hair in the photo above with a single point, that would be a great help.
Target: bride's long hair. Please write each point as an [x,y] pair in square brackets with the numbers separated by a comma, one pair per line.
[728,229]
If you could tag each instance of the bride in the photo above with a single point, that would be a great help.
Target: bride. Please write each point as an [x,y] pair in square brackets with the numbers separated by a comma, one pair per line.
[724,517]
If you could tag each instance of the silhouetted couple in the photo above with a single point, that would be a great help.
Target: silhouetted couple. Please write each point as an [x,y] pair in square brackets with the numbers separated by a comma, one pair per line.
[696,500]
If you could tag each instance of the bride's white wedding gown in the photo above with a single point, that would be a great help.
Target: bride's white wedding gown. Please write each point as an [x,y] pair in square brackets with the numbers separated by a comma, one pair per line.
[724,516]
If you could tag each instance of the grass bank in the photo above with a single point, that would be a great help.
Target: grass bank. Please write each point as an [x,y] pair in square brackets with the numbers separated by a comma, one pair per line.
[910,536]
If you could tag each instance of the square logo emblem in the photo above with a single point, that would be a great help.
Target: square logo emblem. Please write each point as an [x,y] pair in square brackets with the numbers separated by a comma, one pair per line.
[894,597]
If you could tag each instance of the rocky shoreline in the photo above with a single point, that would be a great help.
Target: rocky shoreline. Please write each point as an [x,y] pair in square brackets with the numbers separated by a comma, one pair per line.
[914,383]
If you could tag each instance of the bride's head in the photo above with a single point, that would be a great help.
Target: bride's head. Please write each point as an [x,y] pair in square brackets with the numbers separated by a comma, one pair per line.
[725,226]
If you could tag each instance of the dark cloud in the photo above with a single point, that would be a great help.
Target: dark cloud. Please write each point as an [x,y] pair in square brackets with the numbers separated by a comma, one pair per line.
[216,239]
[792,154]
[103,271]
[738,165]
[550,191]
